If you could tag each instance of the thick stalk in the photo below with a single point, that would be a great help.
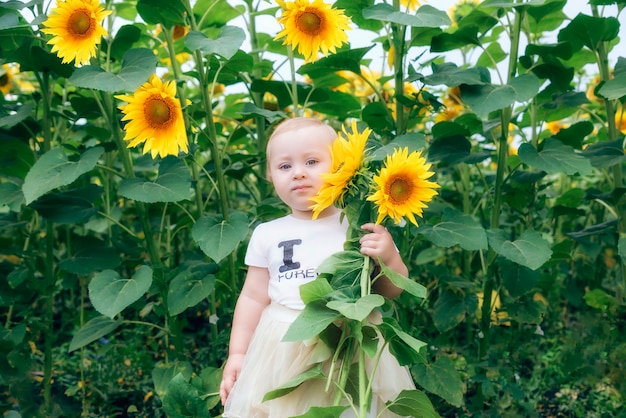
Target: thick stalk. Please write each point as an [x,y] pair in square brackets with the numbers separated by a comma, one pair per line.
[48,295]
[503,151]
[602,59]
[398,34]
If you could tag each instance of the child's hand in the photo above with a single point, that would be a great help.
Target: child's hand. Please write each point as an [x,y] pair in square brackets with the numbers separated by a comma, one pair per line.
[378,243]
[230,375]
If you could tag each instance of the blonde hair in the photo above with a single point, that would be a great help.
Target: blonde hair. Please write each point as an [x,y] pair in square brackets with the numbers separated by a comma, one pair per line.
[298,123]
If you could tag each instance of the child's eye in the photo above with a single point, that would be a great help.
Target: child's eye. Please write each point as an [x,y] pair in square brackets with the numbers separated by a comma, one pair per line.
[311,162]
[284,166]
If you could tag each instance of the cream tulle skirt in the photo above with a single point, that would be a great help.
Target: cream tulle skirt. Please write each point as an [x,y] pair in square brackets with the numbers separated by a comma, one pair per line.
[270,363]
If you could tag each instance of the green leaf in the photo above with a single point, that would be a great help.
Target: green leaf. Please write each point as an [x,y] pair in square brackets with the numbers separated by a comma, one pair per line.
[614,88]
[110,294]
[400,341]
[404,283]
[451,75]
[313,319]
[526,310]
[166,12]
[426,16]
[456,228]
[218,238]
[13,119]
[358,310]
[53,169]
[526,87]
[137,66]
[190,287]
[345,268]
[317,289]
[412,403]
[349,60]
[324,412]
[16,158]
[182,400]
[530,249]
[314,372]
[163,373]
[227,43]
[555,157]
[442,379]
[516,279]
[11,196]
[605,154]
[451,308]
[589,31]
[75,206]
[91,255]
[488,98]
[599,299]
[173,184]
[93,330]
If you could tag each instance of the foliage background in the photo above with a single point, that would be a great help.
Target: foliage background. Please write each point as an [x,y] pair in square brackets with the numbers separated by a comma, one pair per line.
[119,273]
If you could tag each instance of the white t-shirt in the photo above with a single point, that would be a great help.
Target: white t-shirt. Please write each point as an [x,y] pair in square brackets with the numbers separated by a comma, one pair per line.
[292,249]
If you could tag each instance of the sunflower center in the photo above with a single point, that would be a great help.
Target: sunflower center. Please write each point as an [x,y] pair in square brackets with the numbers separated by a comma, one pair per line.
[157,112]
[79,22]
[399,190]
[4,80]
[310,23]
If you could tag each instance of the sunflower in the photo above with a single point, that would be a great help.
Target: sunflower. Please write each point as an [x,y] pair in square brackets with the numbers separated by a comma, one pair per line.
[401,186]
[76,29]
[348,156]
[312,27]
[156,118]
[6,79]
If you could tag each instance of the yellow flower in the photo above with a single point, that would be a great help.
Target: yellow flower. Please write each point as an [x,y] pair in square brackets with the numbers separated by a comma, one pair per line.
[76,29]
[348,155]
[312,27]
[410,4]
[402,188]
[156,118]
[6,79]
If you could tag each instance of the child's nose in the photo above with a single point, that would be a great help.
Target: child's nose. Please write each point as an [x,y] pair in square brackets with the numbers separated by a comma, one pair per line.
[299,172]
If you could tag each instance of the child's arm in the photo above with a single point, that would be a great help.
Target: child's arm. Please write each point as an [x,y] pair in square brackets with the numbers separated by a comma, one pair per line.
[252,300]
[379,244]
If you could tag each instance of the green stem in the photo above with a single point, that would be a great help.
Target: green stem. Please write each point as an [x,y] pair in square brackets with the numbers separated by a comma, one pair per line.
[602,59]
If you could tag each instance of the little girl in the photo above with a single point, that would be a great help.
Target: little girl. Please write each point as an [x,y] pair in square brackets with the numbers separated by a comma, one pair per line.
[282,255]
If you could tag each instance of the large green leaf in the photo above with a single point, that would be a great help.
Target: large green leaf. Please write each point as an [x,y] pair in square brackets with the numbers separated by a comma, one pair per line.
[485,99]
[9,121]
[526,87]
[403,282]
[16,158]
[358,310]
[11,196]
[614,88]
[137,66]
[313,319]
[412,403]
[555,157]
[94,329]
[173,184]
[183,400]
[345,267]
[163,373]
[456,228]
[530,249]
[166,12]
[110,294]
[589,31]
[426,16]
[516,279]
[442,379]
[324,412]
[91,255]
[190,287]
[315,290]
[227,43]
[397,338]
[75,206]
[451,308]
[216,237]
[53,169]
[349,60]
[314,372]
[605,154]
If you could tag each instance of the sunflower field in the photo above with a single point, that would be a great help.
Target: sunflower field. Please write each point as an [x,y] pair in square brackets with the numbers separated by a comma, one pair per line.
[132,171]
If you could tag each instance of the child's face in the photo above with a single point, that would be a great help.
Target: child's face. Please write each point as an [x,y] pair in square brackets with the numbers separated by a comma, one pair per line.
[296,160]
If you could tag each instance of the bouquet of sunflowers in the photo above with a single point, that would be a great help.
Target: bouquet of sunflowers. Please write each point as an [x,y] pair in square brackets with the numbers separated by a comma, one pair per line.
[368,186]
